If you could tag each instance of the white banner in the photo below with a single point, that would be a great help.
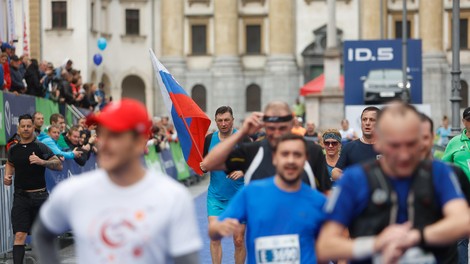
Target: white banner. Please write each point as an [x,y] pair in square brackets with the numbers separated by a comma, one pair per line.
[25,32]
[3,36]
[11,21]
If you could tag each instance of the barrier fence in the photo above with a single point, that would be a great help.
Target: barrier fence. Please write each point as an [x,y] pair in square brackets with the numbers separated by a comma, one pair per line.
[169,160]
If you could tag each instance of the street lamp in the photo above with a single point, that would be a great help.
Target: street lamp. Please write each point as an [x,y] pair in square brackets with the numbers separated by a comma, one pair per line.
[455,98]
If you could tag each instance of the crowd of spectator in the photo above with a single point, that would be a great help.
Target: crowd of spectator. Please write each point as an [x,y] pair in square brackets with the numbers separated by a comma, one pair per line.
[62,84]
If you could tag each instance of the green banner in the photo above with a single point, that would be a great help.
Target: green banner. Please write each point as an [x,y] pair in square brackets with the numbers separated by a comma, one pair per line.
[3,140]
[180,162]
[152,159]
[68,116]
[47,108]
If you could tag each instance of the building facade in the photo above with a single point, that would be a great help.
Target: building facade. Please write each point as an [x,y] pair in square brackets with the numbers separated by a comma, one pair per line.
[242,53]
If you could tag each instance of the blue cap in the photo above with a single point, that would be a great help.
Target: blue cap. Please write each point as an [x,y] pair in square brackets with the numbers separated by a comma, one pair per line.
[6,45]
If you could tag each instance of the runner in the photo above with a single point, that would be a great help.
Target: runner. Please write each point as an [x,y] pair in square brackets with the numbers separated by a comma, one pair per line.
[223,187]
[26,166]
[121,213]
[362,149]
[283,215]
[397,202]
[255,159]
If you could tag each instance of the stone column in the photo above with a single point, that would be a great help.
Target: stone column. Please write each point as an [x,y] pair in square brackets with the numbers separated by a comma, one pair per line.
[332,62]
[435,66]
[228,87]
[34,29]
[226,33]
[172,14]
[283,75]
[370,19]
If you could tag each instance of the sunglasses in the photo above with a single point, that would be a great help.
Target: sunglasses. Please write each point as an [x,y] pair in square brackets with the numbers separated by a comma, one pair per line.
[331,143]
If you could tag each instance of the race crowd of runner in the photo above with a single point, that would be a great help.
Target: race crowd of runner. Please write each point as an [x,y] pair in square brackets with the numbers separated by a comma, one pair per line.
[287,194]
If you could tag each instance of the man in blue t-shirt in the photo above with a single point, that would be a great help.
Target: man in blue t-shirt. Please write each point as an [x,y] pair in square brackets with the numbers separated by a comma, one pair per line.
[223,186]
[283,215]
[362,149]
[396,203]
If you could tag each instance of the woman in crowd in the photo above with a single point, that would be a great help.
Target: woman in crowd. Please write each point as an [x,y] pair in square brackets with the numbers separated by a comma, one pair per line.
[32,79]
[331,141]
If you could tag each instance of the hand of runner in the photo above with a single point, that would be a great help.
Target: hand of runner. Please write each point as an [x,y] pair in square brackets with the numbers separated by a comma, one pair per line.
[253,123]
[391,254]
[393,233]
[7,180]
[228,227]
[235,175]
[33,159]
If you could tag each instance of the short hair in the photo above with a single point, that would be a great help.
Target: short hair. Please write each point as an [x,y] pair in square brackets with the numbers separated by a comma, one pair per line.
[25,117]
[369,109]
[445,118]
[224,109]
[73,129]
[277,106]
[36,113]
[55,118]
[397,108]
[289,137]
[347,121]
[426,118]
[49,129]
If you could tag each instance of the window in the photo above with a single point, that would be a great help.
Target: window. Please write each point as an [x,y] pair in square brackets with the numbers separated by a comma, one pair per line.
[132,22]
[198,39]
[253,39]
[199,95]
[399,31]
[59,14]
[253,98]
[464,33]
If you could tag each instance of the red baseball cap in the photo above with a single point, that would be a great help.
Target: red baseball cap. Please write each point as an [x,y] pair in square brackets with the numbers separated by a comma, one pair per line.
[121,116]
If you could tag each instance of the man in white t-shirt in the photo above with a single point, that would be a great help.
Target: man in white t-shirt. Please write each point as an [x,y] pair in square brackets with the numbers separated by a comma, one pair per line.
[347,133]
[121,213]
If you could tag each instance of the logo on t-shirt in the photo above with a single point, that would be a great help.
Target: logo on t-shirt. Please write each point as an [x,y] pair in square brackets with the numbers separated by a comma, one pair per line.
[278,249]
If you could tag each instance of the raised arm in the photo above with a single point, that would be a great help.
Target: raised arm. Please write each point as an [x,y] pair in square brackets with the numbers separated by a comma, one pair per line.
[215,159]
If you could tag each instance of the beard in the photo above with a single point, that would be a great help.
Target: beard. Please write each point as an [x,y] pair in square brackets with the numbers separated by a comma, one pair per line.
[287,181]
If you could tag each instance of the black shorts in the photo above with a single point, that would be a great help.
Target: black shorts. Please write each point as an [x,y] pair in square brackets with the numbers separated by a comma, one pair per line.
[25,209]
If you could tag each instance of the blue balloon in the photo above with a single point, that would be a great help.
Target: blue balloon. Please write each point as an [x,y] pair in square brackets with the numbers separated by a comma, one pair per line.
[102,43]
[97,59]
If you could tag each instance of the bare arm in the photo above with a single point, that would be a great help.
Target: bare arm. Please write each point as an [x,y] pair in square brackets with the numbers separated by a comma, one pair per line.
[9,172]
[53,163]
[215,159]
[333,245]
[453,226]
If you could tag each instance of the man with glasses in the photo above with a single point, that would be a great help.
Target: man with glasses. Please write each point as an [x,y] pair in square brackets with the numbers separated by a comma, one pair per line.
[223,186]
[255,159]
[362,149]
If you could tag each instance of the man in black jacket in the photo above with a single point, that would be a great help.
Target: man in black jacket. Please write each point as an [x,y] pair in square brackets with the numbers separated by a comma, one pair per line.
[17,84]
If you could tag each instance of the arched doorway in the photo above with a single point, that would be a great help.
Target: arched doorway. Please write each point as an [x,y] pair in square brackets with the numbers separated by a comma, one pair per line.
[199,95]
[253,98]
[107,83]
[133,87]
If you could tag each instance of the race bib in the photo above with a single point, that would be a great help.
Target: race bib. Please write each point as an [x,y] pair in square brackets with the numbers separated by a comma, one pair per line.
[278,249]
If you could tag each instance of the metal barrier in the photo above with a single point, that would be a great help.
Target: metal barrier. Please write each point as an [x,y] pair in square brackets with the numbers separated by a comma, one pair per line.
[6,202]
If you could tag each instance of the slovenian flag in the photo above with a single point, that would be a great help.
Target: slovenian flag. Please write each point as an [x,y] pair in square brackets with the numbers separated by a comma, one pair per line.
[190,121]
